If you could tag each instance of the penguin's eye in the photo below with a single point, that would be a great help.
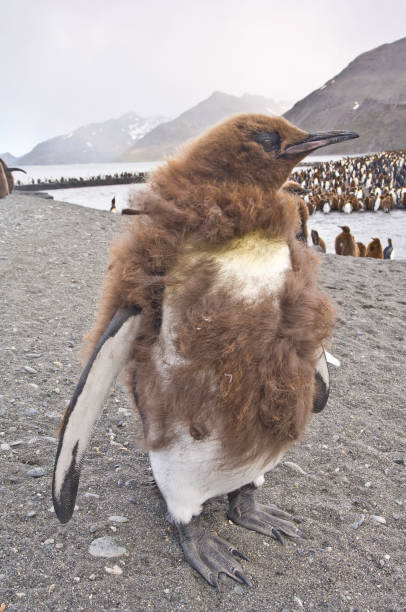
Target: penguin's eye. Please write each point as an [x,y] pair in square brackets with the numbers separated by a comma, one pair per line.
[270,141]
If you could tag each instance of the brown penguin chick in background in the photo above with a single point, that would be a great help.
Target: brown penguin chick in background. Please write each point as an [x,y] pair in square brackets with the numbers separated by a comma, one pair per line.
[7,179]
[212,306]
[345,243]
[296,191]
[3,182]
[374,249]
[362,249]
[318,242]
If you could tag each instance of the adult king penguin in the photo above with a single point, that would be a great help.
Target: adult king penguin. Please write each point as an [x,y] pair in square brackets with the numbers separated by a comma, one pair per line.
[212,306]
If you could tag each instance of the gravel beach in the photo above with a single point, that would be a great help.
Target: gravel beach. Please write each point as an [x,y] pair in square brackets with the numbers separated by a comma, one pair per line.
[345,479]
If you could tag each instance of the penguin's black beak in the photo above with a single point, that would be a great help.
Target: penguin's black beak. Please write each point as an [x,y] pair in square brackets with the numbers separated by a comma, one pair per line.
[17,170]
[316,141]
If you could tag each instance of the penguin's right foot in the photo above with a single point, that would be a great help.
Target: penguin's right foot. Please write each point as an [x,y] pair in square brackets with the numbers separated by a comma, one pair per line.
[209,554]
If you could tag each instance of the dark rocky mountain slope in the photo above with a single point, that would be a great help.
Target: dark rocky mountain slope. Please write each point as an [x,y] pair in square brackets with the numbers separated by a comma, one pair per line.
[369,97]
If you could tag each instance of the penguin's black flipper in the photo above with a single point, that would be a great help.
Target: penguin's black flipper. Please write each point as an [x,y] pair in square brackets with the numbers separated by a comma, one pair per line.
[322,384]
[106,362]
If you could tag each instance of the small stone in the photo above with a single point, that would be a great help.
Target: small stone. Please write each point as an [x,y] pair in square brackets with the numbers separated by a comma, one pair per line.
[92,577]
[20,595]
[76,579]
[399,461]
[16,443]
[118,519]
[59,545]
[5,446]
[106,547]
[36,472]
[30,370]
[298,601]
[378,519]
[396,516]
[33,355]
[358,523]
[115,570]
[239,590]
[295,467]
[367,485]
[30,411]
[49,541]
[93,528]
[31,513]
[94,495]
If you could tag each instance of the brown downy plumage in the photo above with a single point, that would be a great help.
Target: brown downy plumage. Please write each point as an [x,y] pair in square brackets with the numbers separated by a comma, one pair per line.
[318,241]
[3,181]
[374,249]
[246,367]
[345,243]
[297,191]
[6,178]
[362,249]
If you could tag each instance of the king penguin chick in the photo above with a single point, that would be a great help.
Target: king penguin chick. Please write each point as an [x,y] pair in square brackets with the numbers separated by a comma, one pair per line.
[345,243]
[362,249]
[297,191]
[212,307]
[388,251]
[7,179]
[374,249]
[318,242]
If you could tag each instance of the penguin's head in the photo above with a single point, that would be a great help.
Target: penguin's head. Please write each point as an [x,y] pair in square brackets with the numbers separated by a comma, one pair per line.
[345,229]
[254,149]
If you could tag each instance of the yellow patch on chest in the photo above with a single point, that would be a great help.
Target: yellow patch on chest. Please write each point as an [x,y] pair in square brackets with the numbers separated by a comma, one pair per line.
[253,265]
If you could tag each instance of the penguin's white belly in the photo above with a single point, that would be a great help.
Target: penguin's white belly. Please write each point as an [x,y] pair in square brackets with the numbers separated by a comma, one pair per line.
[189,473]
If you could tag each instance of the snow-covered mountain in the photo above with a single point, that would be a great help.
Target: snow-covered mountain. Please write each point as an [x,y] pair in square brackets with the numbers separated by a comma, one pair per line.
[95,142]
[166,138]
[8,158]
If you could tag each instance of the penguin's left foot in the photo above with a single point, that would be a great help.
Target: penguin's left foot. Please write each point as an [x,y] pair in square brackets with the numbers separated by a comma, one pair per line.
[269,520]
[209,554]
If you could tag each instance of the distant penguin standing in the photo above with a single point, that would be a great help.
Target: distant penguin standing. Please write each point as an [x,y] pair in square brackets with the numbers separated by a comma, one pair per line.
[388,252]
[113,208]
[374,249]
[211,305]
[318,242]
[362,249]
[296,191]
[345,243]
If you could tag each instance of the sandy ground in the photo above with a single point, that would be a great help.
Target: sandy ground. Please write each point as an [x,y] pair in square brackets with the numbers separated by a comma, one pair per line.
[352,497]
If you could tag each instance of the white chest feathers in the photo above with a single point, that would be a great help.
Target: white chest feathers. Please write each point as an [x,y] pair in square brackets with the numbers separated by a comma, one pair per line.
[253,266]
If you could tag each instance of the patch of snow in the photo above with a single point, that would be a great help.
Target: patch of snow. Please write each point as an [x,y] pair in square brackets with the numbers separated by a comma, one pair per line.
[89,144]
[68,136]
[323,86]
[356,105]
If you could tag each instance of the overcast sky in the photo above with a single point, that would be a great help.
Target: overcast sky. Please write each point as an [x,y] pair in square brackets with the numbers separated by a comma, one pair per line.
[65,64]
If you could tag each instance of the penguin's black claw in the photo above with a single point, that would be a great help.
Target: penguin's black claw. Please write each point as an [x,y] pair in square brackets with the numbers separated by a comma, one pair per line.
[268,520]
[210,555]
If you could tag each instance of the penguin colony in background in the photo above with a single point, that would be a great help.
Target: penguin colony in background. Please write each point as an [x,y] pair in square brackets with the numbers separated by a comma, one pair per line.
[367,183]
[211,305]
[7,178]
